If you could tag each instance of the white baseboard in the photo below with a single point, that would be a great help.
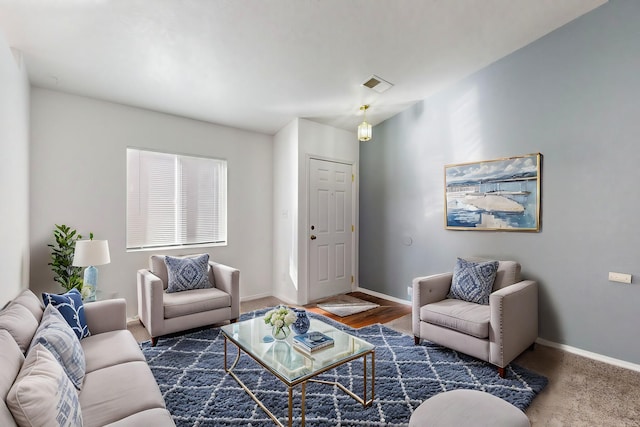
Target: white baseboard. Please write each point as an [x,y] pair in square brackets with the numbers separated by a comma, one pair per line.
[383,296]
[256,296]
[287,300]
[590,355]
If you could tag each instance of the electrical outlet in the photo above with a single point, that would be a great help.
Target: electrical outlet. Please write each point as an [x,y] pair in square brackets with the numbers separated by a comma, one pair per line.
[410,291]
[619,277]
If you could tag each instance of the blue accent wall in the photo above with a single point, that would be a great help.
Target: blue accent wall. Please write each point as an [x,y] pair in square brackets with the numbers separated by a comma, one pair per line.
[573,96]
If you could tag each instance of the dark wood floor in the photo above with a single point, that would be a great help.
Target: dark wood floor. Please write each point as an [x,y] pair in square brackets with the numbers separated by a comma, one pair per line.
[387,311]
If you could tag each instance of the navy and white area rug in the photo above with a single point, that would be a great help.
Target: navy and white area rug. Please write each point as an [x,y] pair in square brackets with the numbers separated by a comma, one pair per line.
[190,372]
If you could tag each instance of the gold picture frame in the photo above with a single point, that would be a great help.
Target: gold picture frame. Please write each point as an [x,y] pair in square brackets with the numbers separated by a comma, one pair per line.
[493,195]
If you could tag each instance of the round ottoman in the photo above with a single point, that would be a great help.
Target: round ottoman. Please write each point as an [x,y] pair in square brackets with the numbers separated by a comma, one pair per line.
[459,408]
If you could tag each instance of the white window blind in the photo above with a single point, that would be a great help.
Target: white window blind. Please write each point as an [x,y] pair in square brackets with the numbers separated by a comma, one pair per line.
[175,200]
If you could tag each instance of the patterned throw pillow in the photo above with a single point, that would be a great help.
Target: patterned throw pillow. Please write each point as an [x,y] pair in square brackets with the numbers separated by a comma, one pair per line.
[42,393]
[473,281]
[71,307]
[187,273]
[57,336]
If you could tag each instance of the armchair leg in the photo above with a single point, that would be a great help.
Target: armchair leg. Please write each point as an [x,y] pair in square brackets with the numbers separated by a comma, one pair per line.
[233,320]
[154,341]
[416,340]
[501,372]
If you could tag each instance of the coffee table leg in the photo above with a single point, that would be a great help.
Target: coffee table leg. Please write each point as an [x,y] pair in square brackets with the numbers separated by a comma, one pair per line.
[225,353]
[290,406]
[364,377]
[230,369]
[373,378]
[363,400]
[235,362]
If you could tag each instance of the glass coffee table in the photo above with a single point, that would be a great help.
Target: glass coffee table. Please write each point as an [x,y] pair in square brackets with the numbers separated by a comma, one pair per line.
[294,367]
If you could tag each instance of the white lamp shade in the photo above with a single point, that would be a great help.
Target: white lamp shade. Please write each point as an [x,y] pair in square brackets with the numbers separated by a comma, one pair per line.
[91,252]
[364,131]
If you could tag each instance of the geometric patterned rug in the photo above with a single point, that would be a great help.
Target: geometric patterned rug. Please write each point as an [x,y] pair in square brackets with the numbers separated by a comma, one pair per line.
[190,372]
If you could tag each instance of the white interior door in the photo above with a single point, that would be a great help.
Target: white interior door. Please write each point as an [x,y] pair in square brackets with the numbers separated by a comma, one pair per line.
[330,228]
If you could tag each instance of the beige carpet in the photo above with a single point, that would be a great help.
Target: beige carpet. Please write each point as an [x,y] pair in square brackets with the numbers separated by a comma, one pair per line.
[345,305]
[581,392]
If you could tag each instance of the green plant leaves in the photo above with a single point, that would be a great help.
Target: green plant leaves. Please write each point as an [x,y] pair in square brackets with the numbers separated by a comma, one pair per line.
[62,252]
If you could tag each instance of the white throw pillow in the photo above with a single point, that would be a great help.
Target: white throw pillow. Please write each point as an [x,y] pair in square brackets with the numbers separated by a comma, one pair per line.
[42,394]
[57,336]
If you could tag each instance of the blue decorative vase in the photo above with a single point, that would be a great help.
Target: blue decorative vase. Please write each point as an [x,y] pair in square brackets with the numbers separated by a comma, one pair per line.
[302,323]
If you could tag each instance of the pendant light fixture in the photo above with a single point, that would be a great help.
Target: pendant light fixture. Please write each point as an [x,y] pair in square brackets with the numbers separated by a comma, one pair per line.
[364,128]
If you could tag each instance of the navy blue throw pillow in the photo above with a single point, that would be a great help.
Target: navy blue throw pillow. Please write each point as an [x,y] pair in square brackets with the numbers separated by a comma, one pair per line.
[71,307]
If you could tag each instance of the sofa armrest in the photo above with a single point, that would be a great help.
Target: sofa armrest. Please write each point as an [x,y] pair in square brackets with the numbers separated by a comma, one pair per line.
[227,279]
[105,316]
[427,290]
[513,321]
[150,302]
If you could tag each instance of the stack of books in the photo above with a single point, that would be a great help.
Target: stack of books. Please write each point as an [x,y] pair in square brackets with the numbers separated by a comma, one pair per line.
[312,341]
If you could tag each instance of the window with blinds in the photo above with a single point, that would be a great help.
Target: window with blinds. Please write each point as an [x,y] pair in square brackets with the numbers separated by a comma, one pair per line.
[175,200]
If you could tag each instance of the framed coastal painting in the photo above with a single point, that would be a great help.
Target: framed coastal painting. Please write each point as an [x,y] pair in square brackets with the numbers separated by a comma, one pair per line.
[501,194]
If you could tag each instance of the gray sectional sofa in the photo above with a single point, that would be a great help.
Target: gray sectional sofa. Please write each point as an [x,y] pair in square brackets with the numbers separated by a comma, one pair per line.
[118,388]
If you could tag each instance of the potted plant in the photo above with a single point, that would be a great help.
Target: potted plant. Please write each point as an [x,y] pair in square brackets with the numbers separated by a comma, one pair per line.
[65,273]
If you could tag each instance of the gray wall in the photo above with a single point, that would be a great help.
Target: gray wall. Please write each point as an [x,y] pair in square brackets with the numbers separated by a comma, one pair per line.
[78,178]
[572,96]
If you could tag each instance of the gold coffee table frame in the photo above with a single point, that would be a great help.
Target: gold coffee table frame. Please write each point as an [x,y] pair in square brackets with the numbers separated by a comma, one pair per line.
[294,367]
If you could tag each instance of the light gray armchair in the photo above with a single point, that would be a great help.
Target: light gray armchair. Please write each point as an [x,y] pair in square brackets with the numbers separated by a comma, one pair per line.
[496,333]
[164,313]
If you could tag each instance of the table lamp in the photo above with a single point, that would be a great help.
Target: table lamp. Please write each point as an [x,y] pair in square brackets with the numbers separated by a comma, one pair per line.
[90,253]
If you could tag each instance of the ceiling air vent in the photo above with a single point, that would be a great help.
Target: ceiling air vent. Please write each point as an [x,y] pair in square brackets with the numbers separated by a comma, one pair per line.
[378,84]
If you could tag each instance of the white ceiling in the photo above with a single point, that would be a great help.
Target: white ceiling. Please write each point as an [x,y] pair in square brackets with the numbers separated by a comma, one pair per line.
[257,65]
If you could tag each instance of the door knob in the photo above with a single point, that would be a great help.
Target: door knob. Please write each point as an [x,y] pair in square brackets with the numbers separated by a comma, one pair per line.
[313,237]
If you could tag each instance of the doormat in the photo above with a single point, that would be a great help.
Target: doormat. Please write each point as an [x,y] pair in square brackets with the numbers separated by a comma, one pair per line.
[347,305]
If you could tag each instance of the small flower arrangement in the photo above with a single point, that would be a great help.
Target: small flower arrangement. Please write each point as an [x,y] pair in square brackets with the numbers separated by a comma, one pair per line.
[85,292]
[280,318]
